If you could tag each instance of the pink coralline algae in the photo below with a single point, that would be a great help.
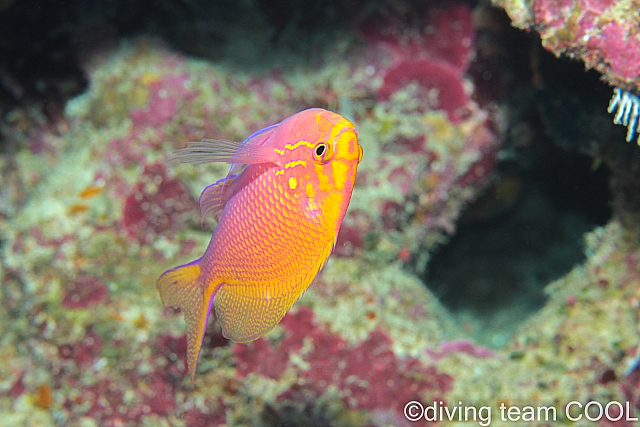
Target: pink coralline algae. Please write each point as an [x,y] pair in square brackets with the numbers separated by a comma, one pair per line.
[436,149]
[428,74]
[604,33]
[174,351]
[348,242]
[391,215]
[368,375]
[107,405]
[164,94]
[480,170]
[445,34]
[460,346]
[156,205]
[83,352]
[151,393]
[84,316]
[85,292]
[17,388]
[196,418]
[124,152]
[435,56]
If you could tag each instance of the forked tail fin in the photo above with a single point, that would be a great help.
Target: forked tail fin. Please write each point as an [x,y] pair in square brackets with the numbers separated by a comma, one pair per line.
[182,287]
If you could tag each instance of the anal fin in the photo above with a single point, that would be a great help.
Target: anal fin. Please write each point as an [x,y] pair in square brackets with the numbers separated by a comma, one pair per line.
[246,313]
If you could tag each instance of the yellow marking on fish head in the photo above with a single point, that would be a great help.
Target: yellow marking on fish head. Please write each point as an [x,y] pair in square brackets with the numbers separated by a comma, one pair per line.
[335,170]
[320,151]
[310,191]
[289,165]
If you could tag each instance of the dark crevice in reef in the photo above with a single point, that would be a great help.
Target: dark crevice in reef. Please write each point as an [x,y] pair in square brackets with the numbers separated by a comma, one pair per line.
[492,273]
[43,43]
[528,228]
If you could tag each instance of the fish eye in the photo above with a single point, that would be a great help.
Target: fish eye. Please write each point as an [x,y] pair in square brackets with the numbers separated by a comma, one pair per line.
[322,152]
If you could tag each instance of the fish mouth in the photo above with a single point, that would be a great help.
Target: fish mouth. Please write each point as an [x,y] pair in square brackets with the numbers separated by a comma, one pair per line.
[347,136]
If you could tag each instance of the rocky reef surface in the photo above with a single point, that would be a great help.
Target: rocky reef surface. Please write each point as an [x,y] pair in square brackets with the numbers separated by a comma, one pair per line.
[603,34]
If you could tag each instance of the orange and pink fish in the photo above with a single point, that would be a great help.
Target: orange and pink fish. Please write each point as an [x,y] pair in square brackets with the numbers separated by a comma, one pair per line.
[279,211]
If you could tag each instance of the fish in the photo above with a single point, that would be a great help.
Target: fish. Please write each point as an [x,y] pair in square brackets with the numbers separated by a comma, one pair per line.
[279,210]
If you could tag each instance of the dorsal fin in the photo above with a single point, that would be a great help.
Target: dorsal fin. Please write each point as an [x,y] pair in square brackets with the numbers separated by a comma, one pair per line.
[249,151]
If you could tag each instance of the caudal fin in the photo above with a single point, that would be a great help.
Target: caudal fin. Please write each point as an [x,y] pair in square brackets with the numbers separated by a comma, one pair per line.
[181,287]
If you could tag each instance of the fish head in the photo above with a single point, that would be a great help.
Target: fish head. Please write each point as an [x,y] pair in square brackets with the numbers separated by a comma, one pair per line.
[336,153]
[320,153]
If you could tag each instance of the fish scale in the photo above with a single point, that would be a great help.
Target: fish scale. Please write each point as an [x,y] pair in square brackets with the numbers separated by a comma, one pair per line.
[279,211]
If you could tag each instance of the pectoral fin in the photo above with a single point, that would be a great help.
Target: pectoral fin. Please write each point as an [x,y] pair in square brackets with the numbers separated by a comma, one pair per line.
[214,197]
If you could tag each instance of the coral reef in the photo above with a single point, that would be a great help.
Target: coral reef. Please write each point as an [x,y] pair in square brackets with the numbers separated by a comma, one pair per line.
[426,164]
[83,249]
[366,376]
[604,34]
[92,211]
